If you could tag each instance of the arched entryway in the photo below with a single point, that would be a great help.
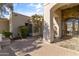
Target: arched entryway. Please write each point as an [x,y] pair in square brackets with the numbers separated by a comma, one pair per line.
[57,15]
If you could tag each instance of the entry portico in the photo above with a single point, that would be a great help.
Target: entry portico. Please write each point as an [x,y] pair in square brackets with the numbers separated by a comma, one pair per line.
[58,15]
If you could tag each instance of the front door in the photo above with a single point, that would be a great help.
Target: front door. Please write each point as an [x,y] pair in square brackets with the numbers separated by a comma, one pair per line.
[73,27]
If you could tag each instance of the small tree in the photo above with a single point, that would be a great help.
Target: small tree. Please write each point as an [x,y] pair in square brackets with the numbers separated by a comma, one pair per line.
[23,31]
[37,23]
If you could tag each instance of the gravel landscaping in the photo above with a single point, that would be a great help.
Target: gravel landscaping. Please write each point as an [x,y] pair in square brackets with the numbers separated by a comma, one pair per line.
[72,43]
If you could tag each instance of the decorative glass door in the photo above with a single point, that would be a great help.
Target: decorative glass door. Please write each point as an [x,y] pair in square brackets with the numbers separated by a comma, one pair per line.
[72,27]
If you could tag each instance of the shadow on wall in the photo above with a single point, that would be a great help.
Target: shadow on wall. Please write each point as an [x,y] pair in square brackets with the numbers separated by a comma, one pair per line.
[46,31]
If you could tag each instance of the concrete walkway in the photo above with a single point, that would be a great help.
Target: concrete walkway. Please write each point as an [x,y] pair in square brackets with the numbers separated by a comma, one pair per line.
[54,50]
[35,47]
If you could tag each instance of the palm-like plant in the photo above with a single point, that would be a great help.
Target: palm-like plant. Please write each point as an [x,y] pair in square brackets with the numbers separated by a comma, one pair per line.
[1,10]
[4,7]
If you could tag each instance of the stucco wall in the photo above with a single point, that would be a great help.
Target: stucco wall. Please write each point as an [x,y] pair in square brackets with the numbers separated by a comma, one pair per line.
[18,20]
[4,25]
[57,22]
[48,31]
[51,18]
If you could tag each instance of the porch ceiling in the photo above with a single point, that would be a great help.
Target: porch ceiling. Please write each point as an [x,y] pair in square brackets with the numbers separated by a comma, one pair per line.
[62,6]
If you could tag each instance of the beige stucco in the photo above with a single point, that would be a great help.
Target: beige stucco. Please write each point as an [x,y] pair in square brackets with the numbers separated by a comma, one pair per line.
[49,21]
[47,26]
[16,21]
[4,25]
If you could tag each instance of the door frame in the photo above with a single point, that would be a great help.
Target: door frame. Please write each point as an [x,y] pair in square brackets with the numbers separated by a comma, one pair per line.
[73,25]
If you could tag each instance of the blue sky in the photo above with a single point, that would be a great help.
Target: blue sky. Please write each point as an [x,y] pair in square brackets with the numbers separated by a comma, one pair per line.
[28,9]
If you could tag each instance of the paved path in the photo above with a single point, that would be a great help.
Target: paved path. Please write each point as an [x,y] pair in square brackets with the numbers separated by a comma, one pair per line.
[37,48]
[53,50]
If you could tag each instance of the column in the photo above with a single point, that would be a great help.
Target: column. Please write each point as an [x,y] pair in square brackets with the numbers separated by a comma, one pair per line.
[48,26]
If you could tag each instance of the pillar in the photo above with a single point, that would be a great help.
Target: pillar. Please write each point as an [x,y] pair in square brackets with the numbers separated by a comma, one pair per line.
[48,25]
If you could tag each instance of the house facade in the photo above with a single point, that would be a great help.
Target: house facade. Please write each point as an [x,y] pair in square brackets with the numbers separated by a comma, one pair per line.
[18,20]
[12,24]
[4,25]
[60,20]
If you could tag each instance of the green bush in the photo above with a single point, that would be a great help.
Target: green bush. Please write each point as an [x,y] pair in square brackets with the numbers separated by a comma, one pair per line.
[23,31]
[6,34]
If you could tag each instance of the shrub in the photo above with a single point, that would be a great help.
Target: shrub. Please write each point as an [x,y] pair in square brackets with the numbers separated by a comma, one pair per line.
[23,30]
[6,34]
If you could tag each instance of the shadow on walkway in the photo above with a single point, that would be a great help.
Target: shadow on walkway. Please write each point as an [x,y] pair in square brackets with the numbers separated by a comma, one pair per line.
[22,46]
[62,39]
[26,45]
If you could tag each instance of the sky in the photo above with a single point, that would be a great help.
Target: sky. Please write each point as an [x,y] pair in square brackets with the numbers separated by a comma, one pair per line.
[28,9]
